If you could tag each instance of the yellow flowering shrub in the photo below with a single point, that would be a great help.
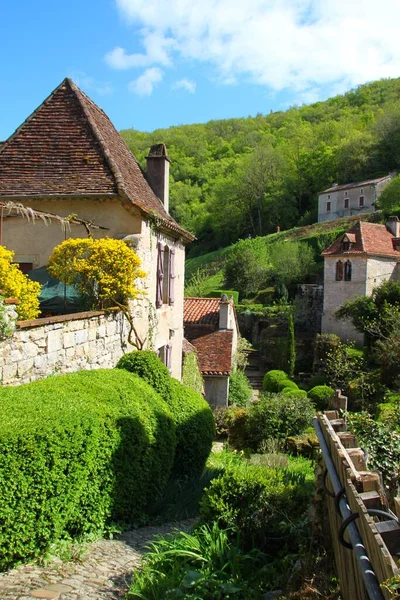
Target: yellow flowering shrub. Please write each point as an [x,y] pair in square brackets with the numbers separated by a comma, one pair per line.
[104,270]
[15,284]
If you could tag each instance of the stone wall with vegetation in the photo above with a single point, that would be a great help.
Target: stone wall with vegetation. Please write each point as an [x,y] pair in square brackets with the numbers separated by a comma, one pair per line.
[63,344]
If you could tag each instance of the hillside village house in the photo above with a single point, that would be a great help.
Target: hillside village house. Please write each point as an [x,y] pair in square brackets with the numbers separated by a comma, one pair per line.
[67,158]
[357,262]
[211,327]
[350,199]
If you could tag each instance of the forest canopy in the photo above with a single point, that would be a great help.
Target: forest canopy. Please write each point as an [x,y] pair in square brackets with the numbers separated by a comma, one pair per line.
[236,178]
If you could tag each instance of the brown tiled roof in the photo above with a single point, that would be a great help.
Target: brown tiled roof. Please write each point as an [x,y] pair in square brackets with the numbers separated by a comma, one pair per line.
[187,347]
[68,146]
[201,311]
[348,186]
[214,352]
[370,239]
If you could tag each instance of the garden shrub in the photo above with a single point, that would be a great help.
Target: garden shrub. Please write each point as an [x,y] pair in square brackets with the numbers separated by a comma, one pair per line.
[195,430]
[149,367]
[191,375]
[221,418]
[272,378]
[294,393]
[286,383]
[229,293]
[267,506]
[385,411]
[14,284]
[75,451]
[237,428]
[275,416]
[240,391]
[325,344]
[320,395]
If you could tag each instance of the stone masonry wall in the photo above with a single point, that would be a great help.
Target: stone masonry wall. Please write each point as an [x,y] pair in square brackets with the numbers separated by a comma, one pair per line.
[90,340]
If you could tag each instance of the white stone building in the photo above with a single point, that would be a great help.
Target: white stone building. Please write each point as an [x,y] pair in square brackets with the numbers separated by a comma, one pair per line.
[350,199]
[67,158]
[357,262]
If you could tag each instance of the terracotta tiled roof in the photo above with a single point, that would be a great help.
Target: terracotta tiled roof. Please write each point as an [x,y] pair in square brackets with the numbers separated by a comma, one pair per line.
[370,239]
[214,352]
[68,146]
[201,310]
[348,186]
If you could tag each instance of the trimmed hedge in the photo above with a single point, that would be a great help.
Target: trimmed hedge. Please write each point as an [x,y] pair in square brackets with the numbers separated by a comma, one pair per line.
[294,393]
[149,367]
[75,451]
[320,395]
[240,391]
[195,430]
[230,293]
[272,380]
[286,383]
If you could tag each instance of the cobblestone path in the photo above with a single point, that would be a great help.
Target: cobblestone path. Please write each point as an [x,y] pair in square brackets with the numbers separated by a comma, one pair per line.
[104,572]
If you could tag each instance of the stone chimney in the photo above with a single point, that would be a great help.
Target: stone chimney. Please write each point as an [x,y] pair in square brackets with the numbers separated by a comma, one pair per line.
[394,226]
[158,173]
[224,312]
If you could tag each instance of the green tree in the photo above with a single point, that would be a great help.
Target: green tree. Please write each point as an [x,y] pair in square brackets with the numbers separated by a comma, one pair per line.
[291,348]
[389,200]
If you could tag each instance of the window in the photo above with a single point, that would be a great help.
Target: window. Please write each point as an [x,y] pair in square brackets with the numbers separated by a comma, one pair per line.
[362,191]
[347,271]
[346,203]
[329,197]
[361,201]
[164,354]
[346,246]
[328,207]
[165,293]
[25,266]
[339,271]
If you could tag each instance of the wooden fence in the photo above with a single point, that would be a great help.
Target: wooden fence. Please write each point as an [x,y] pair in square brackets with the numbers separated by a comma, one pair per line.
[363,490]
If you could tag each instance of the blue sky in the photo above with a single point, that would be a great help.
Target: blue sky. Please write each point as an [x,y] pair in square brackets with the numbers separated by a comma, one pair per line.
[151,63]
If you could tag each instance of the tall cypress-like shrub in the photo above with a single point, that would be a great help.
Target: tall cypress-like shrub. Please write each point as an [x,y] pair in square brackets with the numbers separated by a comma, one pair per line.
[290,348]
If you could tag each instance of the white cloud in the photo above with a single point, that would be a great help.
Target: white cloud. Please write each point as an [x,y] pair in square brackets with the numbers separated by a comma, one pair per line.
[185,84]
[301,45]
[144,84]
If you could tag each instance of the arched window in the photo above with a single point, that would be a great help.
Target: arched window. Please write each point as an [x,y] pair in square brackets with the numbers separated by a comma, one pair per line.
[339,270]
[347,271]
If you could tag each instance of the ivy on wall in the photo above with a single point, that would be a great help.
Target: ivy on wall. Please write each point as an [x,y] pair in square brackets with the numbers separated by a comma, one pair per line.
[191,375]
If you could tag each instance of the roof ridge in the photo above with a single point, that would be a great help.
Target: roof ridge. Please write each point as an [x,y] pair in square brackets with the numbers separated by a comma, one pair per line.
[30,117]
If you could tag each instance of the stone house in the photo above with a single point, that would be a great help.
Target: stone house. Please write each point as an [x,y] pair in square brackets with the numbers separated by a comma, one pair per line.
[350,198]
[210,325]
[357,262]
[67,158]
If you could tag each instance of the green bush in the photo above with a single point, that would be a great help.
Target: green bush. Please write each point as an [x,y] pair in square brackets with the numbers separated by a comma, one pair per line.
[195,430]
[286,383]
[267,506]
[320,395]
[276,416]
[237,428]
[191,375]
[75,451]
[272,379]
[240,391]
[289,391]
[385,411]
[149,367]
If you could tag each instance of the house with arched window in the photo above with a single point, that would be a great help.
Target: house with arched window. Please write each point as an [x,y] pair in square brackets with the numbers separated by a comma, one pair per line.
[357,262]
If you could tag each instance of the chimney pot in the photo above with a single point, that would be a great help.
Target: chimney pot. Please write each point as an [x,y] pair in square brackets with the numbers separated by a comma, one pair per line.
[158,172]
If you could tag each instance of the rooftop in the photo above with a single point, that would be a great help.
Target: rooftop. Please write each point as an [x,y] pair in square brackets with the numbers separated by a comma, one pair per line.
[367,238]
[348,186]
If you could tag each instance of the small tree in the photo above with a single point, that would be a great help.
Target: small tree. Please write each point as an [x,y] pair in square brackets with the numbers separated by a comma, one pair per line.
[104,270]
[290,348]
[15,284]
[389,200]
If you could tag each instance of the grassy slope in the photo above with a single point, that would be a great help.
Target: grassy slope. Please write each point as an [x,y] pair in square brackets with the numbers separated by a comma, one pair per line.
[319,235]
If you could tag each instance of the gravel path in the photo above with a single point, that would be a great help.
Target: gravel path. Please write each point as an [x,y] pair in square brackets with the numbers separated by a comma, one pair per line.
[104,572]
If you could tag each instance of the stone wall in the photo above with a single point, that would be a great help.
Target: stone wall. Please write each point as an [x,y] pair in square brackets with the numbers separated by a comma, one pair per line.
[89,340]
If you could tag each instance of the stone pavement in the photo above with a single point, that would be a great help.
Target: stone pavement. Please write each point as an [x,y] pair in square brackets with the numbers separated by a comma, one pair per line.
[104,572]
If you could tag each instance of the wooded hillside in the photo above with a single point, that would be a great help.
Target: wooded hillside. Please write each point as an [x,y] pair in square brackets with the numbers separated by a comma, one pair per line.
[238,177]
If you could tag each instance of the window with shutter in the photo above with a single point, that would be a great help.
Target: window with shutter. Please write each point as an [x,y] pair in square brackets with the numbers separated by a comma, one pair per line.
[160,275]
[347,271]
[339,271]
[171,289]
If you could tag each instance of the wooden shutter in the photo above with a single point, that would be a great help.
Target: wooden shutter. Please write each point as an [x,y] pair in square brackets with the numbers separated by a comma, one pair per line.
[160,275]
[171,285]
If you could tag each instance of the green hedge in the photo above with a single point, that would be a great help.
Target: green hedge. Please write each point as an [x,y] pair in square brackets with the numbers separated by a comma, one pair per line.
[294,393]
[149,367]
[191,375]
[265,506]
[195,430]
[272,380]
[240,391]
[320,395]
[75,451]
[286,383]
